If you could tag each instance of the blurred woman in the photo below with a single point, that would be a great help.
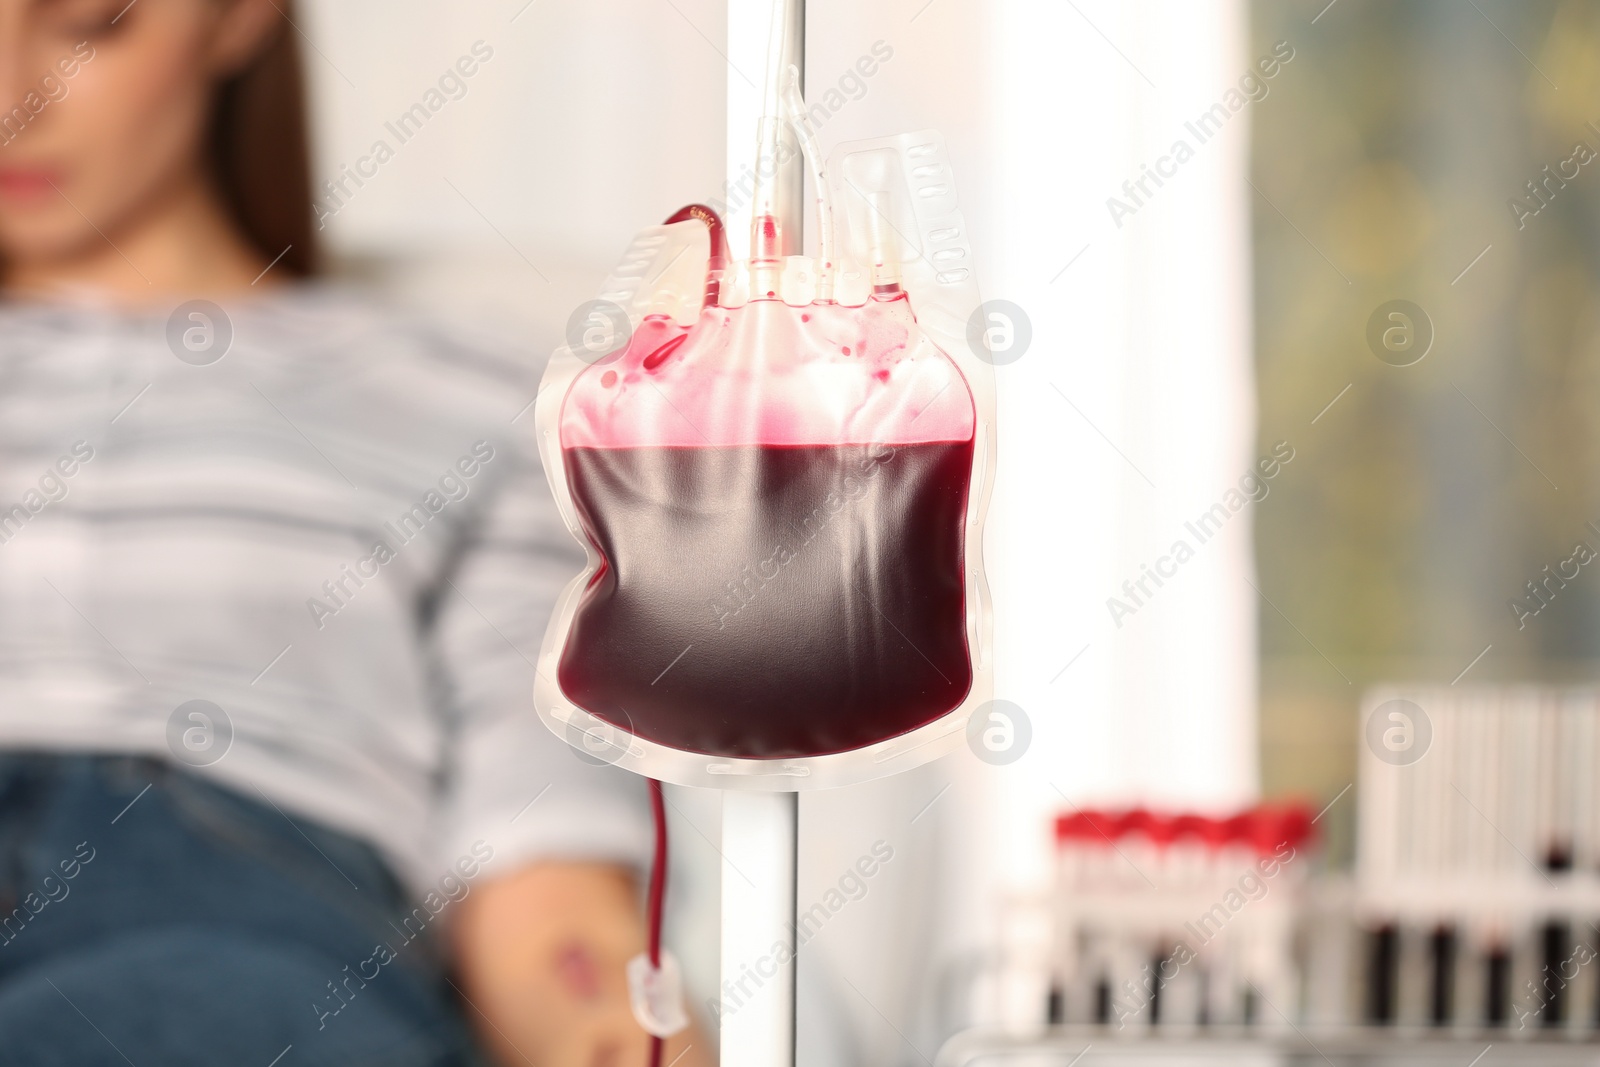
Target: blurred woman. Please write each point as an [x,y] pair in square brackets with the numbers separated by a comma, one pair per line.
[274,568]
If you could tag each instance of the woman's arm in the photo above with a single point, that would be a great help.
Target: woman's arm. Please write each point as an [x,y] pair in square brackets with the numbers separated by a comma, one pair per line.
[541,953]
[543,938]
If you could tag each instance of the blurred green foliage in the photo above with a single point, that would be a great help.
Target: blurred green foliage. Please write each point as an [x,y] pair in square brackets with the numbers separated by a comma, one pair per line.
[1421,503]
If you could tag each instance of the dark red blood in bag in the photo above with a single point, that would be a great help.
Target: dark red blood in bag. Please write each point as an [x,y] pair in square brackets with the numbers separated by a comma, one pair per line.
[768,602]
[780,529]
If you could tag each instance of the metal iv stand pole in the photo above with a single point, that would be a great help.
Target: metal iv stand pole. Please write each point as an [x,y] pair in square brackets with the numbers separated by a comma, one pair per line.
[760,830]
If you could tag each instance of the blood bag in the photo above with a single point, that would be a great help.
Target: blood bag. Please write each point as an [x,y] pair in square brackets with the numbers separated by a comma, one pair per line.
[779,476]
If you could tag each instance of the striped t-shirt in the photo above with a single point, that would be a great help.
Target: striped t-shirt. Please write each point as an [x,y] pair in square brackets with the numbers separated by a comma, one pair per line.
[338,534]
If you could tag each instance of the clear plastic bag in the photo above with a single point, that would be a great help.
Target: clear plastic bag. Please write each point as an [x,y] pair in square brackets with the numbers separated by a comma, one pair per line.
[781,490]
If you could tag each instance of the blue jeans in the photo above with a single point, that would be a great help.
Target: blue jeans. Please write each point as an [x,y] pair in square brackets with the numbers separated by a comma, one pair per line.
[149,917]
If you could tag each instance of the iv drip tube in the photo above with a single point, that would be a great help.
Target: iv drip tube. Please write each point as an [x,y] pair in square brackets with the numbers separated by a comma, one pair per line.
[794,107]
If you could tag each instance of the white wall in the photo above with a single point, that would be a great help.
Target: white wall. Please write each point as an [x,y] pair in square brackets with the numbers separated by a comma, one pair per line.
[589,121]
[1134,412]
